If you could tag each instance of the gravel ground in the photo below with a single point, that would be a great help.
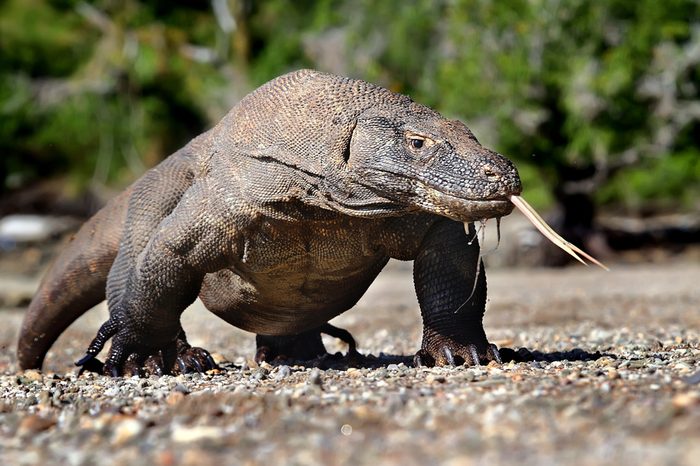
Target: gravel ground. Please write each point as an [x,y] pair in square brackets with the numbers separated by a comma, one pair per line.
[637,402]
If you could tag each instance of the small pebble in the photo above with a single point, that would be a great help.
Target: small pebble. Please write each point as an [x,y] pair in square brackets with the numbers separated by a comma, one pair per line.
[174,397]
[31,375]
[568,398]
[282,373]
[693,379]
[33,424]
[126,430]
[180,388]
[315,377]
[685,400]
[181,434]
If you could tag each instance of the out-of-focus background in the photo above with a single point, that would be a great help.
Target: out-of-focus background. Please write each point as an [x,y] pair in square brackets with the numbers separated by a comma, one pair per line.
[598,103]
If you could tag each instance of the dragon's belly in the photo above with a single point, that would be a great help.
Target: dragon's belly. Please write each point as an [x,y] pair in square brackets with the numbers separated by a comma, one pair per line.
[288,281]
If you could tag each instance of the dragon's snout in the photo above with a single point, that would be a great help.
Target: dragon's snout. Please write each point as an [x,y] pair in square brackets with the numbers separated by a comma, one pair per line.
[500,177]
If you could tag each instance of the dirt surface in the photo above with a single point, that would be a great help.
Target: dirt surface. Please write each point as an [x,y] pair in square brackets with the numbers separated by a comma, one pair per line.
[638,403]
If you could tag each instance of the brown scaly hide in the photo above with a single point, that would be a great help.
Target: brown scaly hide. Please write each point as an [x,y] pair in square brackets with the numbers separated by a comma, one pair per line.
[279,218]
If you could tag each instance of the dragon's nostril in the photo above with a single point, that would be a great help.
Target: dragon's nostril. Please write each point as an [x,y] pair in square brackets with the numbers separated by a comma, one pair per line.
[491,173]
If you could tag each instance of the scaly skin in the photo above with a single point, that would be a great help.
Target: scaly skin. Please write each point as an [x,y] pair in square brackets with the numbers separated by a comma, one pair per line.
[282,215]
[77,279]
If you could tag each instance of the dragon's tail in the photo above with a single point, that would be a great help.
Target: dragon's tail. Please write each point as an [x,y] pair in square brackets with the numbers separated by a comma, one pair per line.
[74,283]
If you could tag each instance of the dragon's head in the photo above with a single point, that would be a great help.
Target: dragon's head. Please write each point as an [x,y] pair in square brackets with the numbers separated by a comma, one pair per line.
[413,156]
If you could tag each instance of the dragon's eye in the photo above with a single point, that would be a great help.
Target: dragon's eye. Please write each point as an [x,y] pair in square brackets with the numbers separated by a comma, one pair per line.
[417,143]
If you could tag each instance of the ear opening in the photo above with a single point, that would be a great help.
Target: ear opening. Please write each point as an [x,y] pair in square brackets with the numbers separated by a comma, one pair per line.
[346,152]
[346,138]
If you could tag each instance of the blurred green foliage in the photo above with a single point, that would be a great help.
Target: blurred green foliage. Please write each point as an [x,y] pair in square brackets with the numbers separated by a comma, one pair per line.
[601,97]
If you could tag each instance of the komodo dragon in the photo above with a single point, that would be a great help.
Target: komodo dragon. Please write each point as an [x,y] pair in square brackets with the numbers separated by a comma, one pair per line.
[279,218]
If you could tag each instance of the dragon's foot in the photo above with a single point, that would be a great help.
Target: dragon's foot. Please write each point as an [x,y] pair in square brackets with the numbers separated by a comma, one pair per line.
[444,351]
[305,346]
[129,359]
[190,359]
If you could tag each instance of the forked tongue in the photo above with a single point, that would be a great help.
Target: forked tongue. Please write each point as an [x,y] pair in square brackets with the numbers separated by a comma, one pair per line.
[552,235]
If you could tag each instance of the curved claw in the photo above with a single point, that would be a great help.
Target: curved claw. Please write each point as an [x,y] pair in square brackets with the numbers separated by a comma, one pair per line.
[197,365]
[261,355]
[493,354]
[181,365]
[127,357]
[85,359]
[107,330]
[211,364]
[444,351]
[417,361]
[474,355]
[203,360]
[449,357]
[423,359]
[194,360]
[90,363]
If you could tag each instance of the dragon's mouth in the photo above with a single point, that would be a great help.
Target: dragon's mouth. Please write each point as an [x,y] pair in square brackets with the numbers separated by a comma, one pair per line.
[466,210]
